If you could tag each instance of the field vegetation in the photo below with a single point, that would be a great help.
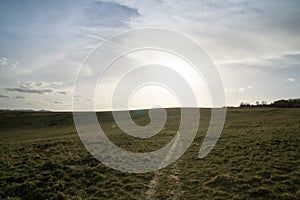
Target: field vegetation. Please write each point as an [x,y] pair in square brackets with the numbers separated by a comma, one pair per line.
[256,157]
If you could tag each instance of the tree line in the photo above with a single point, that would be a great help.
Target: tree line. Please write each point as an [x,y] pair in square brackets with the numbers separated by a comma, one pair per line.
[282,103]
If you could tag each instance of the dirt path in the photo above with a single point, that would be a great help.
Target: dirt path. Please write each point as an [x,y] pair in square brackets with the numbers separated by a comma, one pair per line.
[174,186]
[151,193]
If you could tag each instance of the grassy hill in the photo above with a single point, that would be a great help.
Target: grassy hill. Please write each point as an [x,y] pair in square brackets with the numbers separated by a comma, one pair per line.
[257,156]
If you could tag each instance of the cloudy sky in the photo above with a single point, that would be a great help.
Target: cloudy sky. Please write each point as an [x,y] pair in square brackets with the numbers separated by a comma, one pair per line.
[254,44]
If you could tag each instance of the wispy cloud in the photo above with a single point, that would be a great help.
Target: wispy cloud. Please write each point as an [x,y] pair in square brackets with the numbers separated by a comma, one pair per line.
[58,102]
[8,63]
[3,61]
[38,88]
[45,43]
[63,92]
[19,97]
[245,88]
[4,96]
[30,91]
[290,79]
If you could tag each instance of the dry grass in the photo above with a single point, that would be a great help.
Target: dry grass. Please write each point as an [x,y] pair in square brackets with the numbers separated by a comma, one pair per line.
[256,157]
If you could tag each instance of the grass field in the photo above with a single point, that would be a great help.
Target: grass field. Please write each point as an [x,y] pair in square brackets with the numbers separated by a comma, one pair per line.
[256,157]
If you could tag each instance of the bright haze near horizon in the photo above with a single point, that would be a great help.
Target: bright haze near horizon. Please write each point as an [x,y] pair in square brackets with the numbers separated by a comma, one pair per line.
[255,46]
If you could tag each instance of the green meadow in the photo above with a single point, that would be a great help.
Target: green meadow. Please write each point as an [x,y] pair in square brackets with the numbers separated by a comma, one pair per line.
[256,157]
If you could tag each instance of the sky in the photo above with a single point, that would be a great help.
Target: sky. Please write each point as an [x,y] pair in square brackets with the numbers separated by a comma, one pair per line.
[255,46]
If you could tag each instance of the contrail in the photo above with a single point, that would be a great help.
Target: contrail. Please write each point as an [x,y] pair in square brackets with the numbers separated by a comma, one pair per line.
[88,35]
[96,37]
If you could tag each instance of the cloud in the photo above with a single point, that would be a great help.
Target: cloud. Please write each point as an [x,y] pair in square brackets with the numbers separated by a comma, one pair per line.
[290,79]
[229,90]
[38,84]
[37,88]
[293,55]
[4,96]
[277,61]
[3,61]
[19,97]
[8,63]
[58,102]
[50,42]
[45,40]
[32,84]
[30,91]
[242,89]
[105,14]
[245,88]
[228,29]
[11,70]
[24,71]
[66,92]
